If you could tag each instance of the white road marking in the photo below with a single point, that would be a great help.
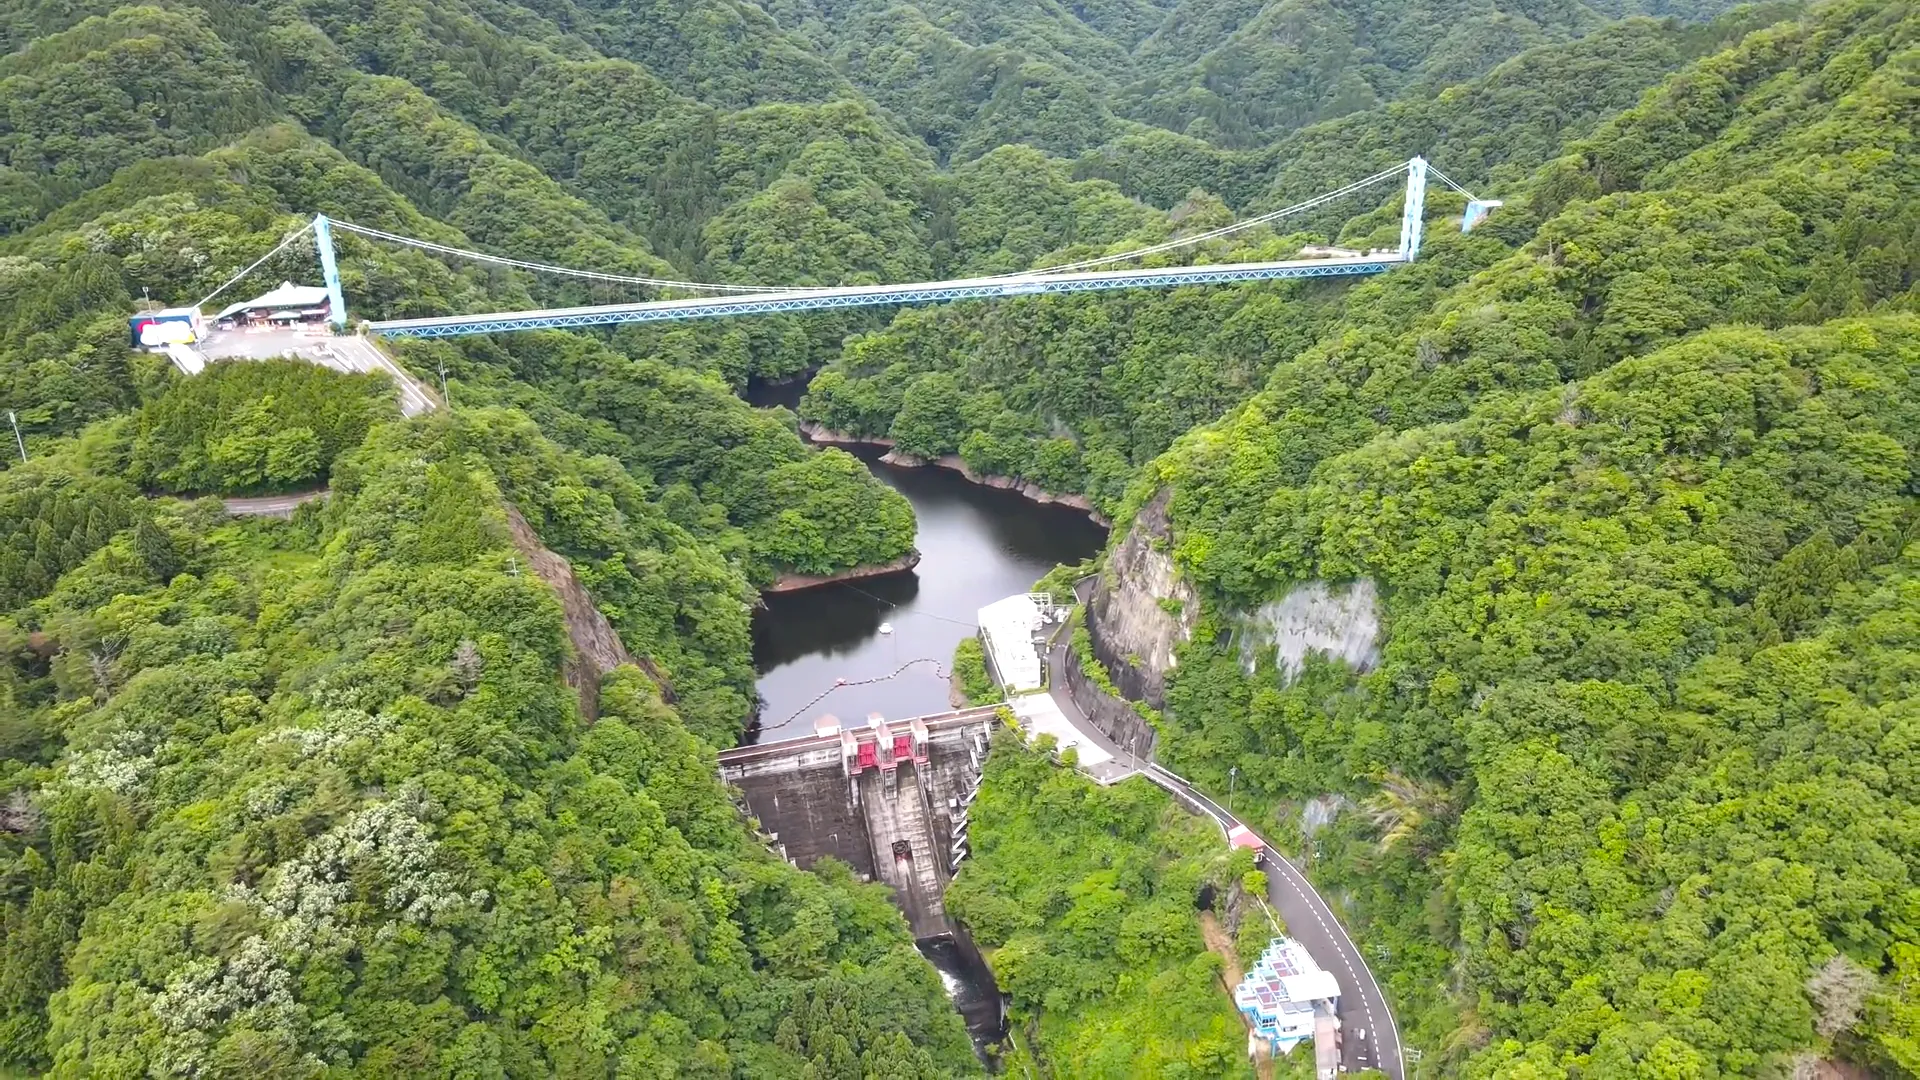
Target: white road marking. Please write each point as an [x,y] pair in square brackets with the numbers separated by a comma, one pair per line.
[413,399]
[1294,881]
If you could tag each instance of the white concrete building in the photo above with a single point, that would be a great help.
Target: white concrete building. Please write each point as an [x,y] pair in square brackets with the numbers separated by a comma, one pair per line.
[1007,628]
[1284,993]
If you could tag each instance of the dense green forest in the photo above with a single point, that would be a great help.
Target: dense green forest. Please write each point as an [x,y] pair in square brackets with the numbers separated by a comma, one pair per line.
[1084,896]
[1633,466]
[1123,374]
[277,424]
[313,795]
[1635,472]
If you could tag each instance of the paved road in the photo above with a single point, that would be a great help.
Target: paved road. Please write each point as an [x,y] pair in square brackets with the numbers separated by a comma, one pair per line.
[1369,1037]
[280,506]
[350,354]
[1120,763]
[362,355]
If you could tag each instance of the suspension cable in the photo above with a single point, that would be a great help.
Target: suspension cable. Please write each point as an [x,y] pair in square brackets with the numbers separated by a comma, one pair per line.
[255,265]
[700,286]
[665,283]
[1224,230]
[1448,180]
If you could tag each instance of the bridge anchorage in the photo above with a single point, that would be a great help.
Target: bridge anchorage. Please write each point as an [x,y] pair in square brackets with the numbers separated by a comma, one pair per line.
[713,300]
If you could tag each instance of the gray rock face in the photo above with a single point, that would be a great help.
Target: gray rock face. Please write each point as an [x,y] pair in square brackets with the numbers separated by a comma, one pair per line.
[1319,812]
[1341,621]
[1134,633]
[1143,610]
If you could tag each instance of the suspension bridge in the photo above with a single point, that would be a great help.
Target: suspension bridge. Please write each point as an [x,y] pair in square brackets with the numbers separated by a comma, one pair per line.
[723,300]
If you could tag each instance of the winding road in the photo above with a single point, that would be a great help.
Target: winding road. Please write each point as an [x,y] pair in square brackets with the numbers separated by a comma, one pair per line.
[1369,1037]
[280,506]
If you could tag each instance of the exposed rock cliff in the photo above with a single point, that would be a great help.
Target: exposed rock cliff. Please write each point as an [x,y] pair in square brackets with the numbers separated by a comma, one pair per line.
[1342,621]
[597,648]
[1142,610]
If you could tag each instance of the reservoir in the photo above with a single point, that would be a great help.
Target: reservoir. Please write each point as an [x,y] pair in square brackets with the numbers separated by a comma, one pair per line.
[977,545]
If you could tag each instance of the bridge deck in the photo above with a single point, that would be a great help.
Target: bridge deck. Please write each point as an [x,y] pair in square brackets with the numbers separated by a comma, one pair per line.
[850,296]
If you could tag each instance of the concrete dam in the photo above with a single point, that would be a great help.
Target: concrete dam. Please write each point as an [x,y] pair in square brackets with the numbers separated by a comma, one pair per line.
[888,798]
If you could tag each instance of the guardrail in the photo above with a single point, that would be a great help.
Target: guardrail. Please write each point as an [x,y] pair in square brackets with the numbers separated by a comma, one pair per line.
[933,722]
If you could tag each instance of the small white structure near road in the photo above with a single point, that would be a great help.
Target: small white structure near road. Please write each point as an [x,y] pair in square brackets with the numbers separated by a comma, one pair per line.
[1013,631]
[186,358]
[1007,627]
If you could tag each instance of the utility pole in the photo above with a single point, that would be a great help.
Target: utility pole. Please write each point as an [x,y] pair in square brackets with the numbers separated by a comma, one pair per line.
[18,441]
[444,396]
[1233,777]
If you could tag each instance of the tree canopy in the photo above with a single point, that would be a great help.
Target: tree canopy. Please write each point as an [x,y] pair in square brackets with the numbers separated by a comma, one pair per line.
[1630,791]
[313,797]
[1633,471]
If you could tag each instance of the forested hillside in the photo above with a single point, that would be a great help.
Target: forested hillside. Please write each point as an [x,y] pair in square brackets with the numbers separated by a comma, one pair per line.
[1120,375]
[1632,787]
[1634,472]
[285,800]
[968,76]
[1086,896]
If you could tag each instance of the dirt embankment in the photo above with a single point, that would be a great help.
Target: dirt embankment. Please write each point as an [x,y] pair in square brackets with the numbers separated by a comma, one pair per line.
[1025,488]
[597,649]
[1220,943]
[796,582]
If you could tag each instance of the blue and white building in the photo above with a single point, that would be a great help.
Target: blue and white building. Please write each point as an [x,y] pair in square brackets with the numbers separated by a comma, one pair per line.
[1284,993]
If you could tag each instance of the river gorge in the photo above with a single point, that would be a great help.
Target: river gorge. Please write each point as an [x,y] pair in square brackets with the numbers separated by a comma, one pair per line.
[977,544]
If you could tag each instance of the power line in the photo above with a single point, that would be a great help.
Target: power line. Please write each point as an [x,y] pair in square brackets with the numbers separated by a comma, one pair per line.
[909,611]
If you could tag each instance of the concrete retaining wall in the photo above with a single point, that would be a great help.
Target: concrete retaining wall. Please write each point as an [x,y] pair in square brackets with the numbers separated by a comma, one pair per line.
[1115,719]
